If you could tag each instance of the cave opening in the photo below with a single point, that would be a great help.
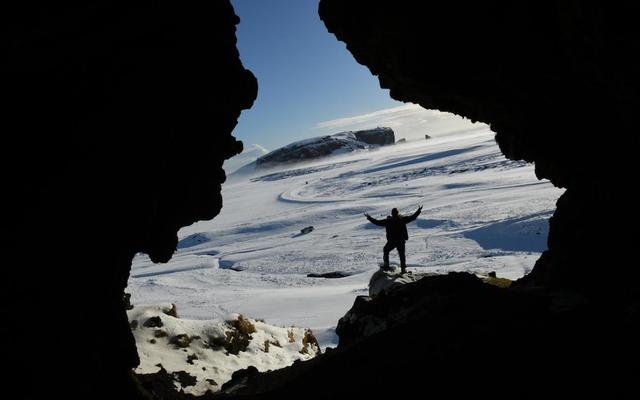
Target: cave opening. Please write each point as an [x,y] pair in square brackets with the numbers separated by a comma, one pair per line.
[483,214]
[121,117]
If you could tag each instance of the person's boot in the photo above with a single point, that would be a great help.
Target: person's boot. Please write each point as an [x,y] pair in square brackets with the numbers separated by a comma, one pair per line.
[385,267]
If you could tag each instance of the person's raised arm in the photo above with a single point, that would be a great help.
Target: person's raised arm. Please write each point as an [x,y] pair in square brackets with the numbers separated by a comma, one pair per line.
[413,216]
[373,220]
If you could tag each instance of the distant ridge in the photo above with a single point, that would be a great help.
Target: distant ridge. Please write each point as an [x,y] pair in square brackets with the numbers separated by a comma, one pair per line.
[323,146]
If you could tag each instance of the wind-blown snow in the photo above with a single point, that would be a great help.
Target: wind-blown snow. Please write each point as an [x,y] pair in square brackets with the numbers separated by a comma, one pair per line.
[248,155]
[409,121]
[481,213]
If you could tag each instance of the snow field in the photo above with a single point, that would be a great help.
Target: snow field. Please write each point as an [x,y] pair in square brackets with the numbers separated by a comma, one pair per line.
[481,213]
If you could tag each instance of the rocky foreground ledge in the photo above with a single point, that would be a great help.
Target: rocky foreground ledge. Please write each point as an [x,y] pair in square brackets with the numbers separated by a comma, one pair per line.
[460,335]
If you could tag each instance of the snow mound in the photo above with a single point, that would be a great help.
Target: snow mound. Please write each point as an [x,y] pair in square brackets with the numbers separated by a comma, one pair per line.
[211,350]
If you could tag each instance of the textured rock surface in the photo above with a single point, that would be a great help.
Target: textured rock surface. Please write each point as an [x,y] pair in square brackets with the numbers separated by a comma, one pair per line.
[381,136]
[557,81]
[107,105]
[382,281]
[454,336]
[339,143]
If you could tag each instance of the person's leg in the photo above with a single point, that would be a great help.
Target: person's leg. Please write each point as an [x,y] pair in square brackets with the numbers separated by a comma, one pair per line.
[386,250]
[403,260]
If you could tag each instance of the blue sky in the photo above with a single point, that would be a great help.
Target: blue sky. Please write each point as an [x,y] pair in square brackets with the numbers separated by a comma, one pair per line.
[305,75]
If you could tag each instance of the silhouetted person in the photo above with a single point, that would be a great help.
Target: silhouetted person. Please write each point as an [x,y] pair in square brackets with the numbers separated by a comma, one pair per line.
[396,226]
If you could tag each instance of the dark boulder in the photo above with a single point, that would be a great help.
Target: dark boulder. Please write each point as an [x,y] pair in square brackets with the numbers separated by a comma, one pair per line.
[379,136]
[239,380]
[398,303]
[153,322]
[330,275]
[306,230]
[181,341]
[162,385]
[127,301]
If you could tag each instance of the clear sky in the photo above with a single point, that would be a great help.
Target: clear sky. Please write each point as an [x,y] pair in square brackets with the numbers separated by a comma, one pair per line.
[305,75]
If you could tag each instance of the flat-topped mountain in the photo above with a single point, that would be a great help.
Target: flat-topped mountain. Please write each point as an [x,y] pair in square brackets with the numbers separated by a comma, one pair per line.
[323,146]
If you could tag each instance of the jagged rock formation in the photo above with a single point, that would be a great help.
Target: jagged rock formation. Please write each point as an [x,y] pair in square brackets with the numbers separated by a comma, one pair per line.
[323,146]
[558,83]
[454,336]
[107,104]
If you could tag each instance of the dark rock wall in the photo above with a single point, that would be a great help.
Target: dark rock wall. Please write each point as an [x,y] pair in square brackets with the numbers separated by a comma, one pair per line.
[116,117]
[557,81]
[455,337]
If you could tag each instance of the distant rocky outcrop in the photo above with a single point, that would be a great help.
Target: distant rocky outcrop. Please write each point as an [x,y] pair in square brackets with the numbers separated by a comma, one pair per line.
[379,136]
[323,146]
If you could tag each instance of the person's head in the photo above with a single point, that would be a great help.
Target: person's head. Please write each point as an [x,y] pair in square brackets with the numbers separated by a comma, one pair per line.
[394,212]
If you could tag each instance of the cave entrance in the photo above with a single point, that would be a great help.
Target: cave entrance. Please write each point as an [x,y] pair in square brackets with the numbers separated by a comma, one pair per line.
[291,246]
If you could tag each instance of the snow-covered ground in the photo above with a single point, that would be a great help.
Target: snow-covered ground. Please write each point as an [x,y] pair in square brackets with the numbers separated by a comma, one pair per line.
[211,351]
[481,213]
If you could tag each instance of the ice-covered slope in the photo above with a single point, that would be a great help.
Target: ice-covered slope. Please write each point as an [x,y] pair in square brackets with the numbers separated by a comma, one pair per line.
[481,213]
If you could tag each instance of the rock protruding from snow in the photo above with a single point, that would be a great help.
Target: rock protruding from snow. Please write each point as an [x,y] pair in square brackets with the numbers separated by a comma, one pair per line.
[385,281]
[210,351]
[306,230]
[323,146]
[380,136]
[329,275]
[395,299]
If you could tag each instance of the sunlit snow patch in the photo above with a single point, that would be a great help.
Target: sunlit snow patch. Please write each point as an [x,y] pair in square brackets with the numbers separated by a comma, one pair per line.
[211,350]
